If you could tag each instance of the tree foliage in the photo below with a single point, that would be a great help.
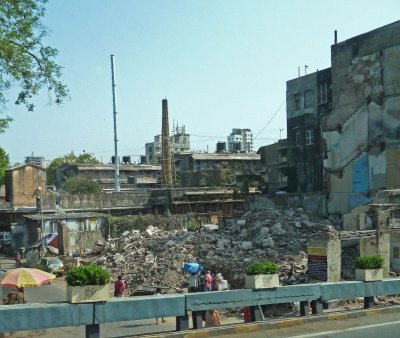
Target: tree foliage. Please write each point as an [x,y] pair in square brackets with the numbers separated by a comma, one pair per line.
[4,163]
[69,158]
[26,62]
[81,185]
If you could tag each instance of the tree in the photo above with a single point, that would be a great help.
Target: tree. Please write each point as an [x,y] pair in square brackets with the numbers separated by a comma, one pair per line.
[81,185]
[4,163]
[25,61]
[69,158]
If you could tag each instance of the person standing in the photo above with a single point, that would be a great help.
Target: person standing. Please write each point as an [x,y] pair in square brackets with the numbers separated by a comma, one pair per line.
[207,281]
[119,287]
[159,294]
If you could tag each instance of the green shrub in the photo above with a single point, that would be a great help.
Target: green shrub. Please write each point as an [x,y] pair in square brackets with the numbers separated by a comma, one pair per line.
[261,268]
[87,275]
[369,262]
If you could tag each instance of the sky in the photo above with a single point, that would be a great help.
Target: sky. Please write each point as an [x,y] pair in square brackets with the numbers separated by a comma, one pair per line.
[222,64]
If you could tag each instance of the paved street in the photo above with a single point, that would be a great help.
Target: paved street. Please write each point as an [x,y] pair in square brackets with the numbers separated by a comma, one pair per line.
[382,326]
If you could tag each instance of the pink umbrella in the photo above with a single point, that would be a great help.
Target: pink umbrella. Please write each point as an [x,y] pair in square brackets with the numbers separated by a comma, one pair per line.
[26,277]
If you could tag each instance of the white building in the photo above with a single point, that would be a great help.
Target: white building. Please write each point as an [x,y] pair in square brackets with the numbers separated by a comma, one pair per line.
[240,140]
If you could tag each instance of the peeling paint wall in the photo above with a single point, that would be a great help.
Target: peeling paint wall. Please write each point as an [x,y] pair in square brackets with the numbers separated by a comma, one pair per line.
[393,168]
[363,131]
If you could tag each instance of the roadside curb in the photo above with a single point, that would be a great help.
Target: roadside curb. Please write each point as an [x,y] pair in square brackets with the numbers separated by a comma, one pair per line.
[235,329]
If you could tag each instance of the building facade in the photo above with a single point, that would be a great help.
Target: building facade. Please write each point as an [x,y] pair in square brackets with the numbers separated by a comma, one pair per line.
[273,166]
[308,101]
[240,140]
[362,132]
[131,175]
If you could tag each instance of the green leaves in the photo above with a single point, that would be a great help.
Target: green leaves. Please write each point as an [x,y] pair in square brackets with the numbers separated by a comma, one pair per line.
[87,275]
[261,268]
[369,262]
[4,163]
[81,185]
[25,62]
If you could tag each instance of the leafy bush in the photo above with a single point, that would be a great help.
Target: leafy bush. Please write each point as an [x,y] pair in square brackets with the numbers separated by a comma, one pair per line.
[261,268]
[81,185]
[87,275]
[369,262]
[192,225]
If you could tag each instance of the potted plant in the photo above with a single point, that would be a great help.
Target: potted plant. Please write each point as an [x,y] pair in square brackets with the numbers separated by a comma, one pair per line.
[262,275]
[87,283]
[369,268]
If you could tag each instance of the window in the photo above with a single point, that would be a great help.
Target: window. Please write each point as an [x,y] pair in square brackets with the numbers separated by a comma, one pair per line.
[309,137]
[308,99]
[322,93]
[396,252]
[296,98]
[298,138]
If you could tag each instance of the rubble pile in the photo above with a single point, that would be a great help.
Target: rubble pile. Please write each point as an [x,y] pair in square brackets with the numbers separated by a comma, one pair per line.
[155,256]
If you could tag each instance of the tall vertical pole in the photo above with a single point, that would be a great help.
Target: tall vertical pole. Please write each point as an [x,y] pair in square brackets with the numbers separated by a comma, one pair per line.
[116,162]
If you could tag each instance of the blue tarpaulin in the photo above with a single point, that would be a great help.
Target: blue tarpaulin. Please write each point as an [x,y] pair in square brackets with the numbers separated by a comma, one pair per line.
[192,267]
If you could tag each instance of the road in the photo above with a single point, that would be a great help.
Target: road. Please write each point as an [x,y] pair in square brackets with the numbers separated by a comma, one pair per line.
[382,326]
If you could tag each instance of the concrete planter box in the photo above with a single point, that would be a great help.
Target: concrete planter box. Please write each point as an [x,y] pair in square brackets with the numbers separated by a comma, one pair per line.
[262,281]
[88,293]
[368,275]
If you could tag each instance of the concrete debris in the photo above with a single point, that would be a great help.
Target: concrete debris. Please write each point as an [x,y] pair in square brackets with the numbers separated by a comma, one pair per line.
[155,256]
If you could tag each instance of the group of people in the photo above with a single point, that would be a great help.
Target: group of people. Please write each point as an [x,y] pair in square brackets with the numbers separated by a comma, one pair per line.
[204,281]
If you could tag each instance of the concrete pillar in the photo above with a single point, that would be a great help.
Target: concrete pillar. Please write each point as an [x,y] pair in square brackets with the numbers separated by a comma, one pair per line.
[256,313]
[324,258]
[304,308]
[379,245]
[92,331]
[384,250]
[316,307]
[368,302]
[63,244]
[197,318]
[182,323]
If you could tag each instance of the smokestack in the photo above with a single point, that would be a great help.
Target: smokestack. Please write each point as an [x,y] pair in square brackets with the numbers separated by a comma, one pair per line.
[335,36]
[166,170]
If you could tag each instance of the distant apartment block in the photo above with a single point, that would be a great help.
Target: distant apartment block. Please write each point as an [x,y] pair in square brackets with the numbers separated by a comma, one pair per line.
[37,161]
[180,143]
[240,140]
[273,166]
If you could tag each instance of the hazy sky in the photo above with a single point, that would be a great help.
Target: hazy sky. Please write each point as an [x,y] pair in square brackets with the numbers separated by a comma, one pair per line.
[221,64]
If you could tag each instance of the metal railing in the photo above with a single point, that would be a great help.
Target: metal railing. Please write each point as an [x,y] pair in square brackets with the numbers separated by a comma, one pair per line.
[25,317]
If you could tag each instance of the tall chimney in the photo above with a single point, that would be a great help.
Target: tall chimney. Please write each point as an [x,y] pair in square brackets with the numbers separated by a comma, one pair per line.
[335,36]
[166,170]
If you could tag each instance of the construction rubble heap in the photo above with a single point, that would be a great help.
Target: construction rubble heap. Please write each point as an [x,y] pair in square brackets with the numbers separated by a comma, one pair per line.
[155,257]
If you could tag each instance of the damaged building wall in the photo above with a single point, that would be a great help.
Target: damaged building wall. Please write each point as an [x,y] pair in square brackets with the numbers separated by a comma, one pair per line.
[363,129]
[308,99]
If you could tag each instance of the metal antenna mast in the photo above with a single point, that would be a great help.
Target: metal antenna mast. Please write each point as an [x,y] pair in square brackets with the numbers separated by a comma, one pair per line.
[116,161]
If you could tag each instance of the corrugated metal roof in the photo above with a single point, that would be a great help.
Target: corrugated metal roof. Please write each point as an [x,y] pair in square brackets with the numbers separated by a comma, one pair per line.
[122,167]
[38,217]
[227,157]
[26,165]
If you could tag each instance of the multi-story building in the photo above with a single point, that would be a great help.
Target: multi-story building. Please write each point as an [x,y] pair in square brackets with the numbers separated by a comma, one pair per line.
[37,161]
[362,132]
[130,174]
[180,143]
[273,166]
[308,100]
[153,150]
[240,140]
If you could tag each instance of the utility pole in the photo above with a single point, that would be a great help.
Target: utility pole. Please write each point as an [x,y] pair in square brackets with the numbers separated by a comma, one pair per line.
[280,133]
[116,162]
